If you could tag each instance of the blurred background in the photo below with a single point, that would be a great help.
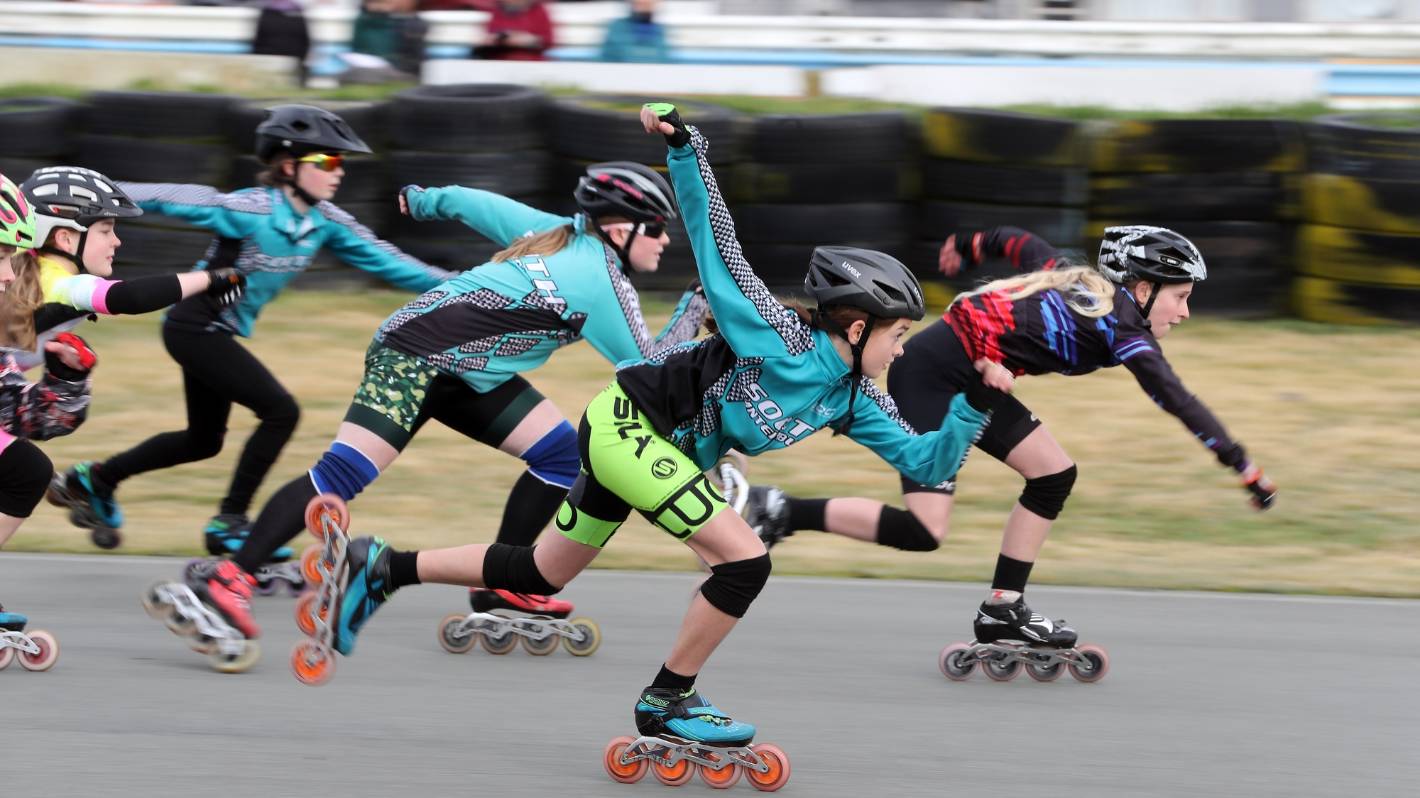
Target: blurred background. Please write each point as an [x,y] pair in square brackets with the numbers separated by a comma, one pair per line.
[1277,134]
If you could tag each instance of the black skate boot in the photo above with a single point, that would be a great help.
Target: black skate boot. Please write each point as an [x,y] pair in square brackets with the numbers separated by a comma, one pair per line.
[1015,621]
[767,513]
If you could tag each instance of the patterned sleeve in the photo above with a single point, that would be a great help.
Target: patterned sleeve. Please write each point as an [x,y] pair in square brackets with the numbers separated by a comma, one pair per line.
[755,323]
[39,411]
[928,458]
[685,321]
[230,215]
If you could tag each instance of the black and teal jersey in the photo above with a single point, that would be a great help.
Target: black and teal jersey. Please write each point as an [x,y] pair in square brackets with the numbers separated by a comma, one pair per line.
[768,380]
[502,318]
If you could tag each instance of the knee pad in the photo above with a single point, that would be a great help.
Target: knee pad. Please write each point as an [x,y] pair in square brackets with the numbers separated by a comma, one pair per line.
[513,568]
[554,459]
[733,586]
[1045,496]
[344,471]
[900,529]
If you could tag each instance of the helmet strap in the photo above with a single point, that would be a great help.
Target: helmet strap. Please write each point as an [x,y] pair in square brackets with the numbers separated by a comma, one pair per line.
[822,320]
[77,258]
[624,251]
[1154,294]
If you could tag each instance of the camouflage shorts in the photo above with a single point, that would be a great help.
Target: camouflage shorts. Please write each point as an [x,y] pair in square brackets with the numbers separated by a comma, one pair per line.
[391,394]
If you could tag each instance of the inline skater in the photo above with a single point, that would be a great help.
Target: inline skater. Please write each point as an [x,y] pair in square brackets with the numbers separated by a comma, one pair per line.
[269,234]
[770,377]
[1063,320]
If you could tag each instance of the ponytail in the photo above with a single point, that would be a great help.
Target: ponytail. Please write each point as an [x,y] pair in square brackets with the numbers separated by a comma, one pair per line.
[1083,288]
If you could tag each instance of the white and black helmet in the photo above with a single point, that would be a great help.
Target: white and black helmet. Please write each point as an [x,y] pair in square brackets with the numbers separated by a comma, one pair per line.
[1152,254]
[75,198]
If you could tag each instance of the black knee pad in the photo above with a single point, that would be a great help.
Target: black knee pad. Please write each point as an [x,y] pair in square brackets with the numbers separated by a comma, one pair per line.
[733,586]
[900,529]
[1045,496]
[513,568]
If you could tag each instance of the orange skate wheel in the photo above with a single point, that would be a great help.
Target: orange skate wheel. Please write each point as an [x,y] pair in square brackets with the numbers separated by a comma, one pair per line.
[310,564]
[306,607]
[611,759]
[48,652]
[310,664]
[1096,669]
[777,775]
[724,778]
[326,507]
[673,775]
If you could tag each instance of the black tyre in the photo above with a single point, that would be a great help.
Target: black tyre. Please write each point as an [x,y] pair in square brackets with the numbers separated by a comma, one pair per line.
[1379,145]
[829,139]
[608,128]
[468,118]
[823,224]
[968,134]
[882,181]
[378,216]
[1359,256]
[1340,302]
[1062,227]
[1245,196]
[174,115]
[154,160]
[521,173]
[1199,145]
[1365,203]
[18,169]
[367,178]
[364,117]
[37,127]
[1004,185]
[152,246]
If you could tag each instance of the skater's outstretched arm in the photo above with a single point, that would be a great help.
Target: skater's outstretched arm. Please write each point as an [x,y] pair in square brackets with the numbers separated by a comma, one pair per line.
[494,216]
[966,249]
[928,458]
[358,246]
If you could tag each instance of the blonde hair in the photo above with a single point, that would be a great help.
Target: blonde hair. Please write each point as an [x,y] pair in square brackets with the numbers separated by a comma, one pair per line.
[1083,288]
[545,243]
[19,302]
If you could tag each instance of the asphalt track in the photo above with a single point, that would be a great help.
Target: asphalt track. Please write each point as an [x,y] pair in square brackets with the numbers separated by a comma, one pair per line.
[1207,695]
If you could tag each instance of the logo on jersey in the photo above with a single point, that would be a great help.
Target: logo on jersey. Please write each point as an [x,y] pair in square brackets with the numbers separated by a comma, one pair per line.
[664,468]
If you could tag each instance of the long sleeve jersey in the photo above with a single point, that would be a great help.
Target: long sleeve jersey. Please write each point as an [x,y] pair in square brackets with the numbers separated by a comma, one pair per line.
[768,380]
[40,410]
[501,318]
[1041,334]
[261,234]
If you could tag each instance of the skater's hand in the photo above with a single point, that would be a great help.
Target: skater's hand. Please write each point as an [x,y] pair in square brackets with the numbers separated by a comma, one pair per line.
[227,285]
[948,259]
[404,198]
[663,118]
[1263,492]
[69,357]
[995,375]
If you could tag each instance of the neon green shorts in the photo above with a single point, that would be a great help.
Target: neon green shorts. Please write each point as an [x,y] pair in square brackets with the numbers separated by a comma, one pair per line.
[626,464]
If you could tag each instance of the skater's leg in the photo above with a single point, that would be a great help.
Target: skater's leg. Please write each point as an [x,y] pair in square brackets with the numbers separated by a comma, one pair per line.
[259,391]
[1049,474]
[739,567]
[25,472]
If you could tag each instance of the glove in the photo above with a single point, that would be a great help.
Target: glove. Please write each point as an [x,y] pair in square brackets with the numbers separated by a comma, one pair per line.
[55,365]
[1263,492]
[667,113]
[227,285]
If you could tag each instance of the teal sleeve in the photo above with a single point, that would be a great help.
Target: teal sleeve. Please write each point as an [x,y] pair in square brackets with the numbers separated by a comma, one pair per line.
[748,315]
[685,321]
[205,207]
[494,216]
[928,458]
[358,246]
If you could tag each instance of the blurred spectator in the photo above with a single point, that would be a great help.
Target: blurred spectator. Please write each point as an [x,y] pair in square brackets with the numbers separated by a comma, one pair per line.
[281,30]
[390,30]
[637,36]
[518,30]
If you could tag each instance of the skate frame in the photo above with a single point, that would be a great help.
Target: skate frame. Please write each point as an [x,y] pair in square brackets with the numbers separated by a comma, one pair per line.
[179,598]
[328,593]
[535,628]
[18,641]
[667,751]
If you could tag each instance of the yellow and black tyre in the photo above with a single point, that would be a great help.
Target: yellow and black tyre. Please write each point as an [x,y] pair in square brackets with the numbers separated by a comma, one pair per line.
[1391,206]
[825,181]
[968,134]
[1340,302]
[479,117]
[829,138]
[1359,256]
[1197,145]
[1238,196]
[1383,145]
[607,128]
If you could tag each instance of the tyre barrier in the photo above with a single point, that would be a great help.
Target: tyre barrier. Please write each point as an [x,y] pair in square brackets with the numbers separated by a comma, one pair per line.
[37,128]
[1197,145]
[467,118]
[977,136]
[597,128]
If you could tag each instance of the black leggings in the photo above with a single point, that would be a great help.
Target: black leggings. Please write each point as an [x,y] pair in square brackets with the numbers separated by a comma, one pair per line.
[216,371]
[485,417]
[24,474]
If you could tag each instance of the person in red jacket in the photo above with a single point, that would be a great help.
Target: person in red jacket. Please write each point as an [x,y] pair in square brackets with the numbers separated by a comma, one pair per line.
[518,30]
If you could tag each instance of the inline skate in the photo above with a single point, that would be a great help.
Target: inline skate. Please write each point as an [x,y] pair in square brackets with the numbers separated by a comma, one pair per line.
[90,507]
[1009,636]
[224,536]
[501,618]
[210,609]
[37,649]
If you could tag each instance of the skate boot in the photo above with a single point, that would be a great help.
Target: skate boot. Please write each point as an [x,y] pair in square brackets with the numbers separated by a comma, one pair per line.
[37,650]
[90,506]
[767,513]
[1011,635]
[367,562]
[225,535]
[210,609]
[501,618]
[681,734]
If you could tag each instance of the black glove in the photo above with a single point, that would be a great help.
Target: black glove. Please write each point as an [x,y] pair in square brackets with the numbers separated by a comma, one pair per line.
[968,245]
[227,285]
[667,113]
[982,396]
[1263,492]
[87,359]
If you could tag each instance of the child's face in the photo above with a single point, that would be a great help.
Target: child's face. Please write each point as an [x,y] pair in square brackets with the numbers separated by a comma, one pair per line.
[100,247]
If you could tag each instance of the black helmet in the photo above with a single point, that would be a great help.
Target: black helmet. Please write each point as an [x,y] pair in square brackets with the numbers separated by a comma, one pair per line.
[74,197]
[302,130]
[1153,254]
[622,188]
[862,278]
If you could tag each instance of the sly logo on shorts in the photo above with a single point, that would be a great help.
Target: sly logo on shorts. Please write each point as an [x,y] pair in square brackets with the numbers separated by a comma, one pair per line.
[628,423]
[664,468]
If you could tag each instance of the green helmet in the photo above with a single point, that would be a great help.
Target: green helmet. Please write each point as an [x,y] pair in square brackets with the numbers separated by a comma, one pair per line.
[17,217]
